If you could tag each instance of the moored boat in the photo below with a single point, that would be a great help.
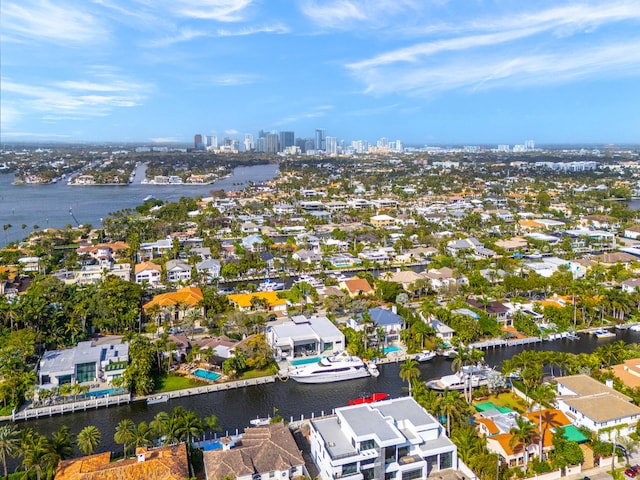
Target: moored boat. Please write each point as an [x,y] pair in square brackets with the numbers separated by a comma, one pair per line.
[449,353]
[425,356]
[335,368]
[374,397]
[476,375]
[260,421]
[603,333]
[157,399]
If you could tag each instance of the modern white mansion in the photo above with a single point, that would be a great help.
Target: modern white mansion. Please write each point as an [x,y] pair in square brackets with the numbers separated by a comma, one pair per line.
[394,439]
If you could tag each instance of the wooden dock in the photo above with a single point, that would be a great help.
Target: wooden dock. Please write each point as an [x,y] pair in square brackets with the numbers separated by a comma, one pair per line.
[71,407]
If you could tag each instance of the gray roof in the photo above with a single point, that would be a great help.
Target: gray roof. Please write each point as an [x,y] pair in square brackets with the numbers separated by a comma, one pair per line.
[335,441]
[366,422]
[407,409]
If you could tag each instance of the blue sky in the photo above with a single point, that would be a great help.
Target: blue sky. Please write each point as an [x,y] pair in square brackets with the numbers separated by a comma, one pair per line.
[422,71]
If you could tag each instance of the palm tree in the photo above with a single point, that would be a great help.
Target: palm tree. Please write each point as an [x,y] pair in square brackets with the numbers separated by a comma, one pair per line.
[523,433]
[159,426]
[88,439]
[125,434]
[452,405]
[142,435]
[9,444]
[35,453]
[542,394]
[409,372]
[61,445]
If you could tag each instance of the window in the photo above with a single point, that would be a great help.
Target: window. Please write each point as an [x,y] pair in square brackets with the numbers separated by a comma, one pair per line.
[389,455]
[390,476]
[85,372]
[349,469]
[432,464]
[445,460]
[403,452]
[367,474]
[328,346]
[412,474]
[64,379]
[368,445]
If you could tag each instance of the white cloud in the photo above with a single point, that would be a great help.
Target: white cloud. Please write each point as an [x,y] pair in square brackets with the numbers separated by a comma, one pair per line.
[231,131]
[342,14]
[551,46]
[319,111]
[188,34]
[75,99]
[219,10]
[57,22]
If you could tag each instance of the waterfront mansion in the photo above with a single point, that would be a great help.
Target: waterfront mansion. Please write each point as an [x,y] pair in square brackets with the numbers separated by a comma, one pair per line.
[393,439]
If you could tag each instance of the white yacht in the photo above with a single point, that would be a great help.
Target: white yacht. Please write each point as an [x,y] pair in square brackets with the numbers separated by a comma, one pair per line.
[478,375]
[331,369]
[313,281]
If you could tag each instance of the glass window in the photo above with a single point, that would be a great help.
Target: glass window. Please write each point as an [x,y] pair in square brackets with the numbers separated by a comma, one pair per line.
[328,346]
[445,460]
[389,455]
[432,464]
[403,452]
[349,469]
[368,445]
[412,474]
[63,379]
[390,476]
[367,474]
[85,372]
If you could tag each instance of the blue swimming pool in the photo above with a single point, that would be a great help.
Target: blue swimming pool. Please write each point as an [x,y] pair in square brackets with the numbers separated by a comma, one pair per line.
[392,348]
[102,393]
[206,374]
[305,360]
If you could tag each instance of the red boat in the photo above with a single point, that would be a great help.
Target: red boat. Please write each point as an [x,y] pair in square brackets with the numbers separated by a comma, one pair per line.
[374,397]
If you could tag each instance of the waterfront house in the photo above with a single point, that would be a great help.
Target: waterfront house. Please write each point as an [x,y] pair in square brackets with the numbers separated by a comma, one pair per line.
[596,406]
[631,285]
[87,362]
[266,452]
[445,332]
[632,232]
[90,274]
[492,308]
[209,267]
[382,221]
[253,243]
[162,463]
[393,439]
[302,336]
[388,320]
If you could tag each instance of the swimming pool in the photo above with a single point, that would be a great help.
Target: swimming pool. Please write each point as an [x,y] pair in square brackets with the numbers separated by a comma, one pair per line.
[392,348]
[102,393]
[206,374]
[305,360]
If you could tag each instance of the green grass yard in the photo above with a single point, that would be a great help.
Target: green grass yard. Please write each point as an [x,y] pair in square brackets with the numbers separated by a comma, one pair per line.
[170,383]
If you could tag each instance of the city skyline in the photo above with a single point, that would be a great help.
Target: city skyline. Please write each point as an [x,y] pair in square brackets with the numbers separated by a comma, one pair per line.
[425,72]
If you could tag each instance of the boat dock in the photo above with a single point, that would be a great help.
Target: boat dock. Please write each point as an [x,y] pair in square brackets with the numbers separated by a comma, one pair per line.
[501,342]
[71,407]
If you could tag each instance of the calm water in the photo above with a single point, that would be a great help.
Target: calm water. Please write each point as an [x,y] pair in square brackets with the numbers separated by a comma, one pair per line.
[48,205]
[235,408]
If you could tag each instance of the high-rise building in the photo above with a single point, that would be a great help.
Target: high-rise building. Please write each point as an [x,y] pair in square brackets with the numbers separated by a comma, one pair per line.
[271,143]
[248,142]
[287,139]
[198,144]
[529,145]
[261,145]
[331,144]
[320,139]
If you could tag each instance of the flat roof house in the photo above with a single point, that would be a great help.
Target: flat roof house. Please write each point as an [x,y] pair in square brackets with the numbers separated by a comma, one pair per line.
[87,362]
[305,336]
[393,439]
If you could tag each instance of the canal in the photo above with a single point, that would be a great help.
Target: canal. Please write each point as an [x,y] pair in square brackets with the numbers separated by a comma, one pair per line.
[235,408]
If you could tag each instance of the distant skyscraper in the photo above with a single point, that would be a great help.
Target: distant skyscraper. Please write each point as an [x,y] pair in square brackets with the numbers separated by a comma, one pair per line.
[248,142]
[383,142]
[320,139]
[271,143]
[261,145]
[198,144]
[530,145]
[286,140]
[331,144]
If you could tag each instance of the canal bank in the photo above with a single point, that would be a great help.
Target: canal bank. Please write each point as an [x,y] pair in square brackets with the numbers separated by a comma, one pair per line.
[235,407]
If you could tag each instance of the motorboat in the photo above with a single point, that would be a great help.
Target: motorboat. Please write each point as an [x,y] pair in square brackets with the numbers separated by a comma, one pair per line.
[334,368]
[313,281]
[425,356]
[157,399]
[270,286]
[373,369]
[635,328]
[603,333]
[449,353]
[374,397]
[477,375]
[260,421]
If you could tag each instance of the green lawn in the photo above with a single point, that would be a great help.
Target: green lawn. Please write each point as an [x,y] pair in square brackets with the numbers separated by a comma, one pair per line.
[170,383]
[257,373]
[508,400]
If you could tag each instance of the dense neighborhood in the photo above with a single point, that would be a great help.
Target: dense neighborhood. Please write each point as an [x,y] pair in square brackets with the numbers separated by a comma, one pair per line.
[379,257]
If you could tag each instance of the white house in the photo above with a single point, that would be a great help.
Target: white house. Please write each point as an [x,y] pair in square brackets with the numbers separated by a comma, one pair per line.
[589,403]
[148,272]
[177,271]
[393,439]
[305,336]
